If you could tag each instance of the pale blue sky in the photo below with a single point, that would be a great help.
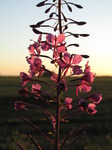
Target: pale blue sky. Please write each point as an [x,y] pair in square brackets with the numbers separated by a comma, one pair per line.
[15,33]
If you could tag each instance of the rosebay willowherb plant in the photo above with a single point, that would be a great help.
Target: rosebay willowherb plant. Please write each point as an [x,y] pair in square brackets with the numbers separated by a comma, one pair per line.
[67,64]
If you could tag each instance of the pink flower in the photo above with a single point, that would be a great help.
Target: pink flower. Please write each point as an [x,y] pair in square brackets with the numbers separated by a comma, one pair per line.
[87,68]
[36,66]
[83,87]
[24,78]
[30,60]
[88,77]
[91,109]
[36,88]
[68,102]
[31,49]
[76,59]
[77,70]
[19,105]
[83,105]
[45,46]
[37,62]
[54,77]
[35,48]
[55,43]
[69,61]
[95,98]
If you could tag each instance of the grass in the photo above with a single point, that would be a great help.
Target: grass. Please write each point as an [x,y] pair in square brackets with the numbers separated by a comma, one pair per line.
[13,129]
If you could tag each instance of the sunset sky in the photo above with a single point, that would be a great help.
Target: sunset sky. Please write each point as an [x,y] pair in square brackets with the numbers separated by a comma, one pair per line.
[15,33]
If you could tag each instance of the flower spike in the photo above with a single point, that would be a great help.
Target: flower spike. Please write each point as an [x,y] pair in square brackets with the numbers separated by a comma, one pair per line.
[54,100]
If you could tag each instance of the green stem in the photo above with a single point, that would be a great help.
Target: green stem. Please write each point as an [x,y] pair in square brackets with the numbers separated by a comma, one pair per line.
[57,122]
[58,92]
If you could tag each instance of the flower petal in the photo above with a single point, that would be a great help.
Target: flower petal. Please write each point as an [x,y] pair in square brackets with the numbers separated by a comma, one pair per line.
[62,64]
[37,62]
[36,86]
[68,100]
[86,88]
[83,87]
[39,38]
[60,38]
[61,49]
[88,77]
[24,78]
[50,38]
[45,46]
[31,49]
[76,59]
[87,68]
[91,109]
[83,105]
[66,57]
[95,98]
[77,70]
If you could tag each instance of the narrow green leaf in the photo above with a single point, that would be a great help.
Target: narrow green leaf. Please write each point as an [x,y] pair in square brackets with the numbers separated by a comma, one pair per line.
[36,128]
[75,139]
[66,138]
[35,143]
[21,148]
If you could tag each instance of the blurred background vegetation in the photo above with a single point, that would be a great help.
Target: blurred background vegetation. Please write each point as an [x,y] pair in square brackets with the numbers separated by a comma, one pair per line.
[12,129]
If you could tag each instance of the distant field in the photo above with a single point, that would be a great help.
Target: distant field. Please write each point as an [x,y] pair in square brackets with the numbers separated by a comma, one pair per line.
[13,129]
